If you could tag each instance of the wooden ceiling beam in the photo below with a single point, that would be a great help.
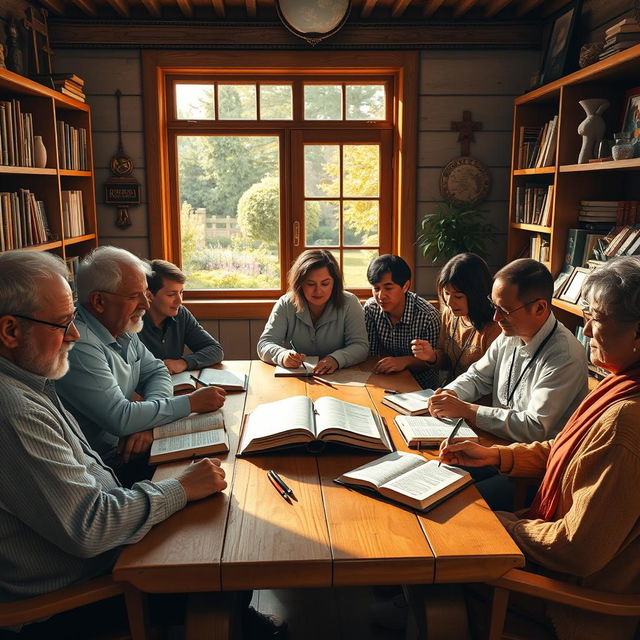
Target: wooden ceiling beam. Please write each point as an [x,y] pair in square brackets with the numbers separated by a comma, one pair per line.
[495,6]
[86,6]
[218,7]
[120,6]
[462,7]
[367,7]
[153,7]
[251,8]
[527,6]
[399,7]
[57,6]
[431,6]
[186,7]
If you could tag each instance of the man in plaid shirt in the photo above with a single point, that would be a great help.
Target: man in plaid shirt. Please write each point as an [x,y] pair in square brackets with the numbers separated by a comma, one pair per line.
[395,316]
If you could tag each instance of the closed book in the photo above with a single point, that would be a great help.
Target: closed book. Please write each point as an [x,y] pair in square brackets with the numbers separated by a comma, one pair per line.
[574,251]
[223,378]
[407,478]
[422,432]
[412,403]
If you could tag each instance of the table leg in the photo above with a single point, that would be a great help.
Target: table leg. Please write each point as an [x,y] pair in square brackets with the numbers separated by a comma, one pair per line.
[440,611]
[211,616]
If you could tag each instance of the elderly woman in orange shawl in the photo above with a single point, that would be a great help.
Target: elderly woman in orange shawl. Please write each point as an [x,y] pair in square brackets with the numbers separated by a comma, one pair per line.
[584,523]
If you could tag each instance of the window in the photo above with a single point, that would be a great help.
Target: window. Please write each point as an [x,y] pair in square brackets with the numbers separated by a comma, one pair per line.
[261,165]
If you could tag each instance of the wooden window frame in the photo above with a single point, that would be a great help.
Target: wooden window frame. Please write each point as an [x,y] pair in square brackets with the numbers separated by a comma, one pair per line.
[348,66]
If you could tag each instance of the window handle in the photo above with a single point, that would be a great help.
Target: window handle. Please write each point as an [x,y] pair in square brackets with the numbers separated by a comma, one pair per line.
[296,234]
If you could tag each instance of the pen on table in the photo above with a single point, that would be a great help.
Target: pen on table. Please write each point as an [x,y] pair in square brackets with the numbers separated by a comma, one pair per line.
[321,381]
[390,391]
[281,482]
[278,488]
[456,426]
[204,384]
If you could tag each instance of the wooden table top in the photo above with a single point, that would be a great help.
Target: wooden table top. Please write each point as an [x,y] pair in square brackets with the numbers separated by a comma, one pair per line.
[250,538]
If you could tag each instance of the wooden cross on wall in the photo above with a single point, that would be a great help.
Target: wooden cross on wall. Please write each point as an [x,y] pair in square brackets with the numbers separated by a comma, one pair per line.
[466,127]
[37,24]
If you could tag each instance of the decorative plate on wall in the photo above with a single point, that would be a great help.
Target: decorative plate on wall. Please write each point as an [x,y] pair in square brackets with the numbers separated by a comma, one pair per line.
[465,181]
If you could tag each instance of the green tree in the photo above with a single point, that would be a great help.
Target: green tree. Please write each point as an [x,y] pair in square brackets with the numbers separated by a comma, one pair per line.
[191,232]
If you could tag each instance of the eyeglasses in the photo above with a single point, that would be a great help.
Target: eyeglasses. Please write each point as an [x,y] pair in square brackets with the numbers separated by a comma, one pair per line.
[589,314]
[131,297]
[64,327]
[506,313]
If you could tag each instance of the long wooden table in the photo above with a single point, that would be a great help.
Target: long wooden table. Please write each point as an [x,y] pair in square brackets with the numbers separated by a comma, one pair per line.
[250,538]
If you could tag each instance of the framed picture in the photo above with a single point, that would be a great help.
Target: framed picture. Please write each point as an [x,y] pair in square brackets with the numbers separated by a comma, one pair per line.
[573,288]
[631,114]
[561,281]
[554,65]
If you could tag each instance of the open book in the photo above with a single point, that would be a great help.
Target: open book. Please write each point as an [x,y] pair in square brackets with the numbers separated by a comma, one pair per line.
[199,434]
[426,431]
[408,478]
[305,369]
[225,378]
[296,421]
[411,404]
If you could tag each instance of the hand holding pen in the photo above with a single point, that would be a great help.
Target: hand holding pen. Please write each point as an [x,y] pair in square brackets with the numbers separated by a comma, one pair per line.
[293,359]
[450,437]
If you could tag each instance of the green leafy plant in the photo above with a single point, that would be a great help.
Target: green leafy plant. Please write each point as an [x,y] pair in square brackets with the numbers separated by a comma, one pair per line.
[452,230]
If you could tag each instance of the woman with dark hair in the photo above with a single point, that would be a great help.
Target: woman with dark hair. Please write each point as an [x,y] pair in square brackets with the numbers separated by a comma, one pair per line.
[468,328]
[315,317]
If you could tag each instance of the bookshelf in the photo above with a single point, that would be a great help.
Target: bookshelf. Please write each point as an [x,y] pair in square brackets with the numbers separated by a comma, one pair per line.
[49,184]
[612,180]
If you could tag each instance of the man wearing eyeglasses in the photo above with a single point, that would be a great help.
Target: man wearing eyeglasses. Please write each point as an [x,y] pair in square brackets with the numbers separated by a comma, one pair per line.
[536,370]
[110,364]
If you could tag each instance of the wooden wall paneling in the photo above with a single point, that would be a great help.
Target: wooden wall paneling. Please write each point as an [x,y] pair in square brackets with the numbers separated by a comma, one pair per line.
[494,111]
[235,338]
[105,145]
[106,214]
[213,327]
[256,327]
[438,147]
[104,112]
[429,184]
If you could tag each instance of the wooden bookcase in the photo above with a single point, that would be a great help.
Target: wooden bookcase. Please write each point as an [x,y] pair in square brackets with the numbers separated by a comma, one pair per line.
[48,183]
[615,180]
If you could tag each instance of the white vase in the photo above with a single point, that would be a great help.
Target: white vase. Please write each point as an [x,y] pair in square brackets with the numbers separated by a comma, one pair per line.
[39,152]
[592,128]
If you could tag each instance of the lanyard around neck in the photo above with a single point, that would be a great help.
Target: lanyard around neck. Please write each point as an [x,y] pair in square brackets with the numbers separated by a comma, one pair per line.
[535,355]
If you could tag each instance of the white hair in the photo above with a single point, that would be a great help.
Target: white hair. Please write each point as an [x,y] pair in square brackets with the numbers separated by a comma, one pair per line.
[22,273]
[615,288]
[101,270]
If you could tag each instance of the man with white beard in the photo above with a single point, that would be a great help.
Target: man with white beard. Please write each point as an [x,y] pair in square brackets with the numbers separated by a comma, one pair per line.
[109,364]
[63,513]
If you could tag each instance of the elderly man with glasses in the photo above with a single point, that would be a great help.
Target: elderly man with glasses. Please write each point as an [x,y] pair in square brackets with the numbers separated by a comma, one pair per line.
[535,371]
[110,364]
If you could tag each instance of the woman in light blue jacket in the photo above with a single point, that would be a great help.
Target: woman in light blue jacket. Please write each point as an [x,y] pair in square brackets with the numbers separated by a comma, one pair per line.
[315,317]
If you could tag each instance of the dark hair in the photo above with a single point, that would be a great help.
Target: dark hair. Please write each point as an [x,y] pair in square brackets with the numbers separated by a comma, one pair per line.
[388,263]
[161,271]
[531,277]
[308,261]
[469,274]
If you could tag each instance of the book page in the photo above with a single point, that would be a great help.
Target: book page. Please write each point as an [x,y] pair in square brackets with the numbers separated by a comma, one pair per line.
[412,401]
[305,369]
[383,470]
[193,423]
[184,378]
[347,377]
[188,441]
[332,412]
[430,428]
[421,482]
[222,377]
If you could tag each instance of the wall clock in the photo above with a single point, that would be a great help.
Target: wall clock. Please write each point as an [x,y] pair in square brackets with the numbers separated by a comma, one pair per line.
[465,181]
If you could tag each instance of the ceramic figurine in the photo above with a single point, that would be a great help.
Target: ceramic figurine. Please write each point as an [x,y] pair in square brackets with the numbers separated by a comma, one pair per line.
[592,128]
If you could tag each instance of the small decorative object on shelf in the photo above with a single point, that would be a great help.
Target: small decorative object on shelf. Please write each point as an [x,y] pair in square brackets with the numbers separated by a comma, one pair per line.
[589,53]
[40,152]
[592,128]
[557,58]
[631,118]
[623,148]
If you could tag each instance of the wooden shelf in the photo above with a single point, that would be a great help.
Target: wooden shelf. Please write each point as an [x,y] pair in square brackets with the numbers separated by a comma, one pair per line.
[79,239]
[27,171]
[567,306]
[76,174]
[610,165]
[534,172]
[47,246]
[530,227]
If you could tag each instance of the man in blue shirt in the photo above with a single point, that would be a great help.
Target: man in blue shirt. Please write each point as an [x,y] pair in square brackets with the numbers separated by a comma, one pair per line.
[109,364]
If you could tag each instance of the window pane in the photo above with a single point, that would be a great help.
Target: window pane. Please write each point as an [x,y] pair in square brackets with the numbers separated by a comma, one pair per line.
[323,102]
[322,223]
[360,220]
[230,211]
[355,265]
[321,171]
[237,102]
[276,102]
[365,102]
[195,102]
[361,168]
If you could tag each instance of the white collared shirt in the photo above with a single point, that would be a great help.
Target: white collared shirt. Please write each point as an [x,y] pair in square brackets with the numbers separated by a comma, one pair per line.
[548,393]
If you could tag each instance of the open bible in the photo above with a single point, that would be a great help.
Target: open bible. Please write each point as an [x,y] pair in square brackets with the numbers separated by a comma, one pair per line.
[297,421]
[412,403]
[427,431]
[304,370]
[199,434]
[407,478]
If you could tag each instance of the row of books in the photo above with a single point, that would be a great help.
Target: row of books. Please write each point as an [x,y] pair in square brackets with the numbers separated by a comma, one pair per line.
[621,36]
[533,204]
[624,241]
[16,135]
[73,213]
[613,212]
[73,152]
[539,246]
[537,145]
[584,245]
[24,220]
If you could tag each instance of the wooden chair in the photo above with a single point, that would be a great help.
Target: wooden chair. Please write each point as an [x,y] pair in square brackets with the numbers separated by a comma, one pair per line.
[538,586]
[32,609]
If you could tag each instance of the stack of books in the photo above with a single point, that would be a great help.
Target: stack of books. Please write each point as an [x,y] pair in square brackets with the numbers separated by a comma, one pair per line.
[621,36]
[69,84]
[16,135]
[537,146]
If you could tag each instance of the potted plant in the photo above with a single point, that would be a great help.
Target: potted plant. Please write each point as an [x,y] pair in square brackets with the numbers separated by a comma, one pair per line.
[452,230]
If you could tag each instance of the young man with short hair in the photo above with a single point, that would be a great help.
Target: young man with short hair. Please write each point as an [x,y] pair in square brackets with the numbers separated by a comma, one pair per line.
[395,316]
